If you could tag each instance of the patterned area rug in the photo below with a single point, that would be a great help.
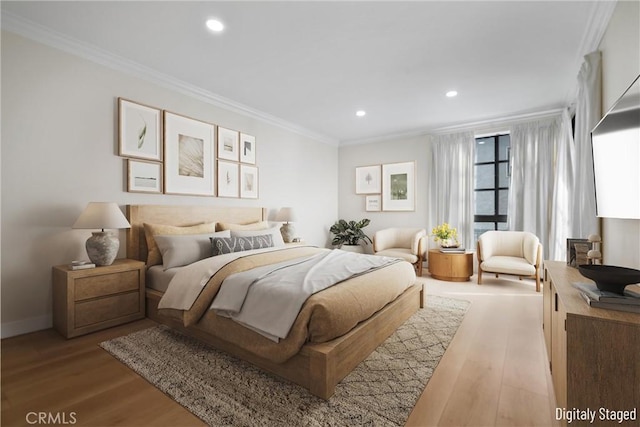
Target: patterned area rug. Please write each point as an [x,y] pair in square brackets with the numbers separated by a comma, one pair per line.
[222,390]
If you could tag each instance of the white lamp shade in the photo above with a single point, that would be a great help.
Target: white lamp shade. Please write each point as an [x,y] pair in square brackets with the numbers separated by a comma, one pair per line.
[102,215]
[286,215]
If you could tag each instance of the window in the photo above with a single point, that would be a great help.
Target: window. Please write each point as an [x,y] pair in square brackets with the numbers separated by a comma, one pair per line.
[492,174]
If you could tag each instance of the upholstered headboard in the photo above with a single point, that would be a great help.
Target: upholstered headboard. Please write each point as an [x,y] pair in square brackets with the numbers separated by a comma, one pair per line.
[181,216]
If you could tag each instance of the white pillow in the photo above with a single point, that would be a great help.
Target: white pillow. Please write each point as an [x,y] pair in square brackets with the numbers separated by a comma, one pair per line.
[274,231]
[183,249]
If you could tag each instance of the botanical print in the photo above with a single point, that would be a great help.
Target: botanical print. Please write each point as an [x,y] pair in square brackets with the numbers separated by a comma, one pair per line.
[142,132]
[227,179]
[139,130]
[190,156]
[399,186]
[368,180]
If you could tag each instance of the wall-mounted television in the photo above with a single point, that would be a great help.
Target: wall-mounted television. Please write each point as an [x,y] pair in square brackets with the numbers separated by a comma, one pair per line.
[616,157]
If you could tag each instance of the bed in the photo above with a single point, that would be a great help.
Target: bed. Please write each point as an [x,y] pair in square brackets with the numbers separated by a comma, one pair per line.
[316,366]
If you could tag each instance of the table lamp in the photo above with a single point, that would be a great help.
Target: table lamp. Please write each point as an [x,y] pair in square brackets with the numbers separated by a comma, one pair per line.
[102,246]
[594,256]
[287,230]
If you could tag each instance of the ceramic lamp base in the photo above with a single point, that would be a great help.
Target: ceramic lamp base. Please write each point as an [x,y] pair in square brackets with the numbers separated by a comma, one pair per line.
[288,232]
[102,247]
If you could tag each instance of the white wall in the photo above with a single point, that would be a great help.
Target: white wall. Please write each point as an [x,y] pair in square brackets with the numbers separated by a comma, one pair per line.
[620,48]
[351,205]
[59,146]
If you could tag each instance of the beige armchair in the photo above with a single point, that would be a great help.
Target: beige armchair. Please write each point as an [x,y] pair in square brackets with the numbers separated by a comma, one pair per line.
[509,252]
[409,244]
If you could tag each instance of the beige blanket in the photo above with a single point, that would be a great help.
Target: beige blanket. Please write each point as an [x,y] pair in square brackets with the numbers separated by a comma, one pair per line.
[325,315]
[268,299]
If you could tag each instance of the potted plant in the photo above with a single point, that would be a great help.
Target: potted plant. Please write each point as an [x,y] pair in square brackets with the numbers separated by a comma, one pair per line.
[349,234]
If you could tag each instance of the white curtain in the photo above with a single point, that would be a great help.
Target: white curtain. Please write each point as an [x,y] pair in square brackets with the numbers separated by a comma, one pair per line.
[451,184]
[588,113]
[532,176]
[561,212]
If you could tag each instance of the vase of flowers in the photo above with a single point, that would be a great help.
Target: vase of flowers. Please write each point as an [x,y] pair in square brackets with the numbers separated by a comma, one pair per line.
[446,236]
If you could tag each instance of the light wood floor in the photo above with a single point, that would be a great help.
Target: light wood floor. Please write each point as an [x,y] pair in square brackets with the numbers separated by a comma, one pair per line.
[493,373]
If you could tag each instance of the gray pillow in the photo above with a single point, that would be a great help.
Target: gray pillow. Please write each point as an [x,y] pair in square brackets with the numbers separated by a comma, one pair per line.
[183,249]
[227,245]
[274,232]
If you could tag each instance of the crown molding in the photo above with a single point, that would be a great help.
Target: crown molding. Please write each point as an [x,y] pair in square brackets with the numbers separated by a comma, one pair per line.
[601,13]
[495,125]
[46,36]
[499,124]
[382,138]
[597,23]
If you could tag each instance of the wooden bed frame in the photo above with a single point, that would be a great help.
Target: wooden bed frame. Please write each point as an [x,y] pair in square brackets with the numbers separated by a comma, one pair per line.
[317,367]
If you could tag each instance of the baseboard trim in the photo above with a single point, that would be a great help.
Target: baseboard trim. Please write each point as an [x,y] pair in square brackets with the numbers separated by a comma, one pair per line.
[25,326]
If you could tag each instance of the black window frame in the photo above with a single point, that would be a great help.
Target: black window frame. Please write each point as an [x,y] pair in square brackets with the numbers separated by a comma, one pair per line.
[496,218]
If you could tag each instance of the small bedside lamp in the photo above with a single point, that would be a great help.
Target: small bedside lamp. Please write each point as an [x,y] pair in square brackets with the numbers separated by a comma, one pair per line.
[594,256]
[287,230]
[102,246]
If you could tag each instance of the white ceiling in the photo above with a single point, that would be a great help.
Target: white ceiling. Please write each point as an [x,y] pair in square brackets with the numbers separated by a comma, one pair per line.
[311,65]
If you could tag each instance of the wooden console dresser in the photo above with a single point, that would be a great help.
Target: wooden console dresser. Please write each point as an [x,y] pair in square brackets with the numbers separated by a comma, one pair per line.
[594,354]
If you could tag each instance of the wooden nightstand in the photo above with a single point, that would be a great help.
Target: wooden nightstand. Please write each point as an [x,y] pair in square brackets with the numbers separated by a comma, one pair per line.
[89,300]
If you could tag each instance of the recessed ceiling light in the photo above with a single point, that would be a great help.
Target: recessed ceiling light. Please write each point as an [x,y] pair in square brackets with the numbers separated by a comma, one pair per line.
[215,25]
[361,113]
[452,93]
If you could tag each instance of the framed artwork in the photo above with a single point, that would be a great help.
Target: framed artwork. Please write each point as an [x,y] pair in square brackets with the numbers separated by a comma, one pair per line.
[228,179]
[248,182]
[144,176]
[372,203]
[399,186]
[368,179]
[577,252]
[139,130]
[227,144]
[189,154]
[247,149]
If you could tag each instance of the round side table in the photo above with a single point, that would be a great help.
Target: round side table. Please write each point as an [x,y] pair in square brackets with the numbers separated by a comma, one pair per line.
[452,267]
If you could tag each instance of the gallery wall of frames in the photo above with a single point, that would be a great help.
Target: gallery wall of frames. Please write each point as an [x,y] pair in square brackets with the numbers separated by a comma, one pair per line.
[388,187]
[168,153]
